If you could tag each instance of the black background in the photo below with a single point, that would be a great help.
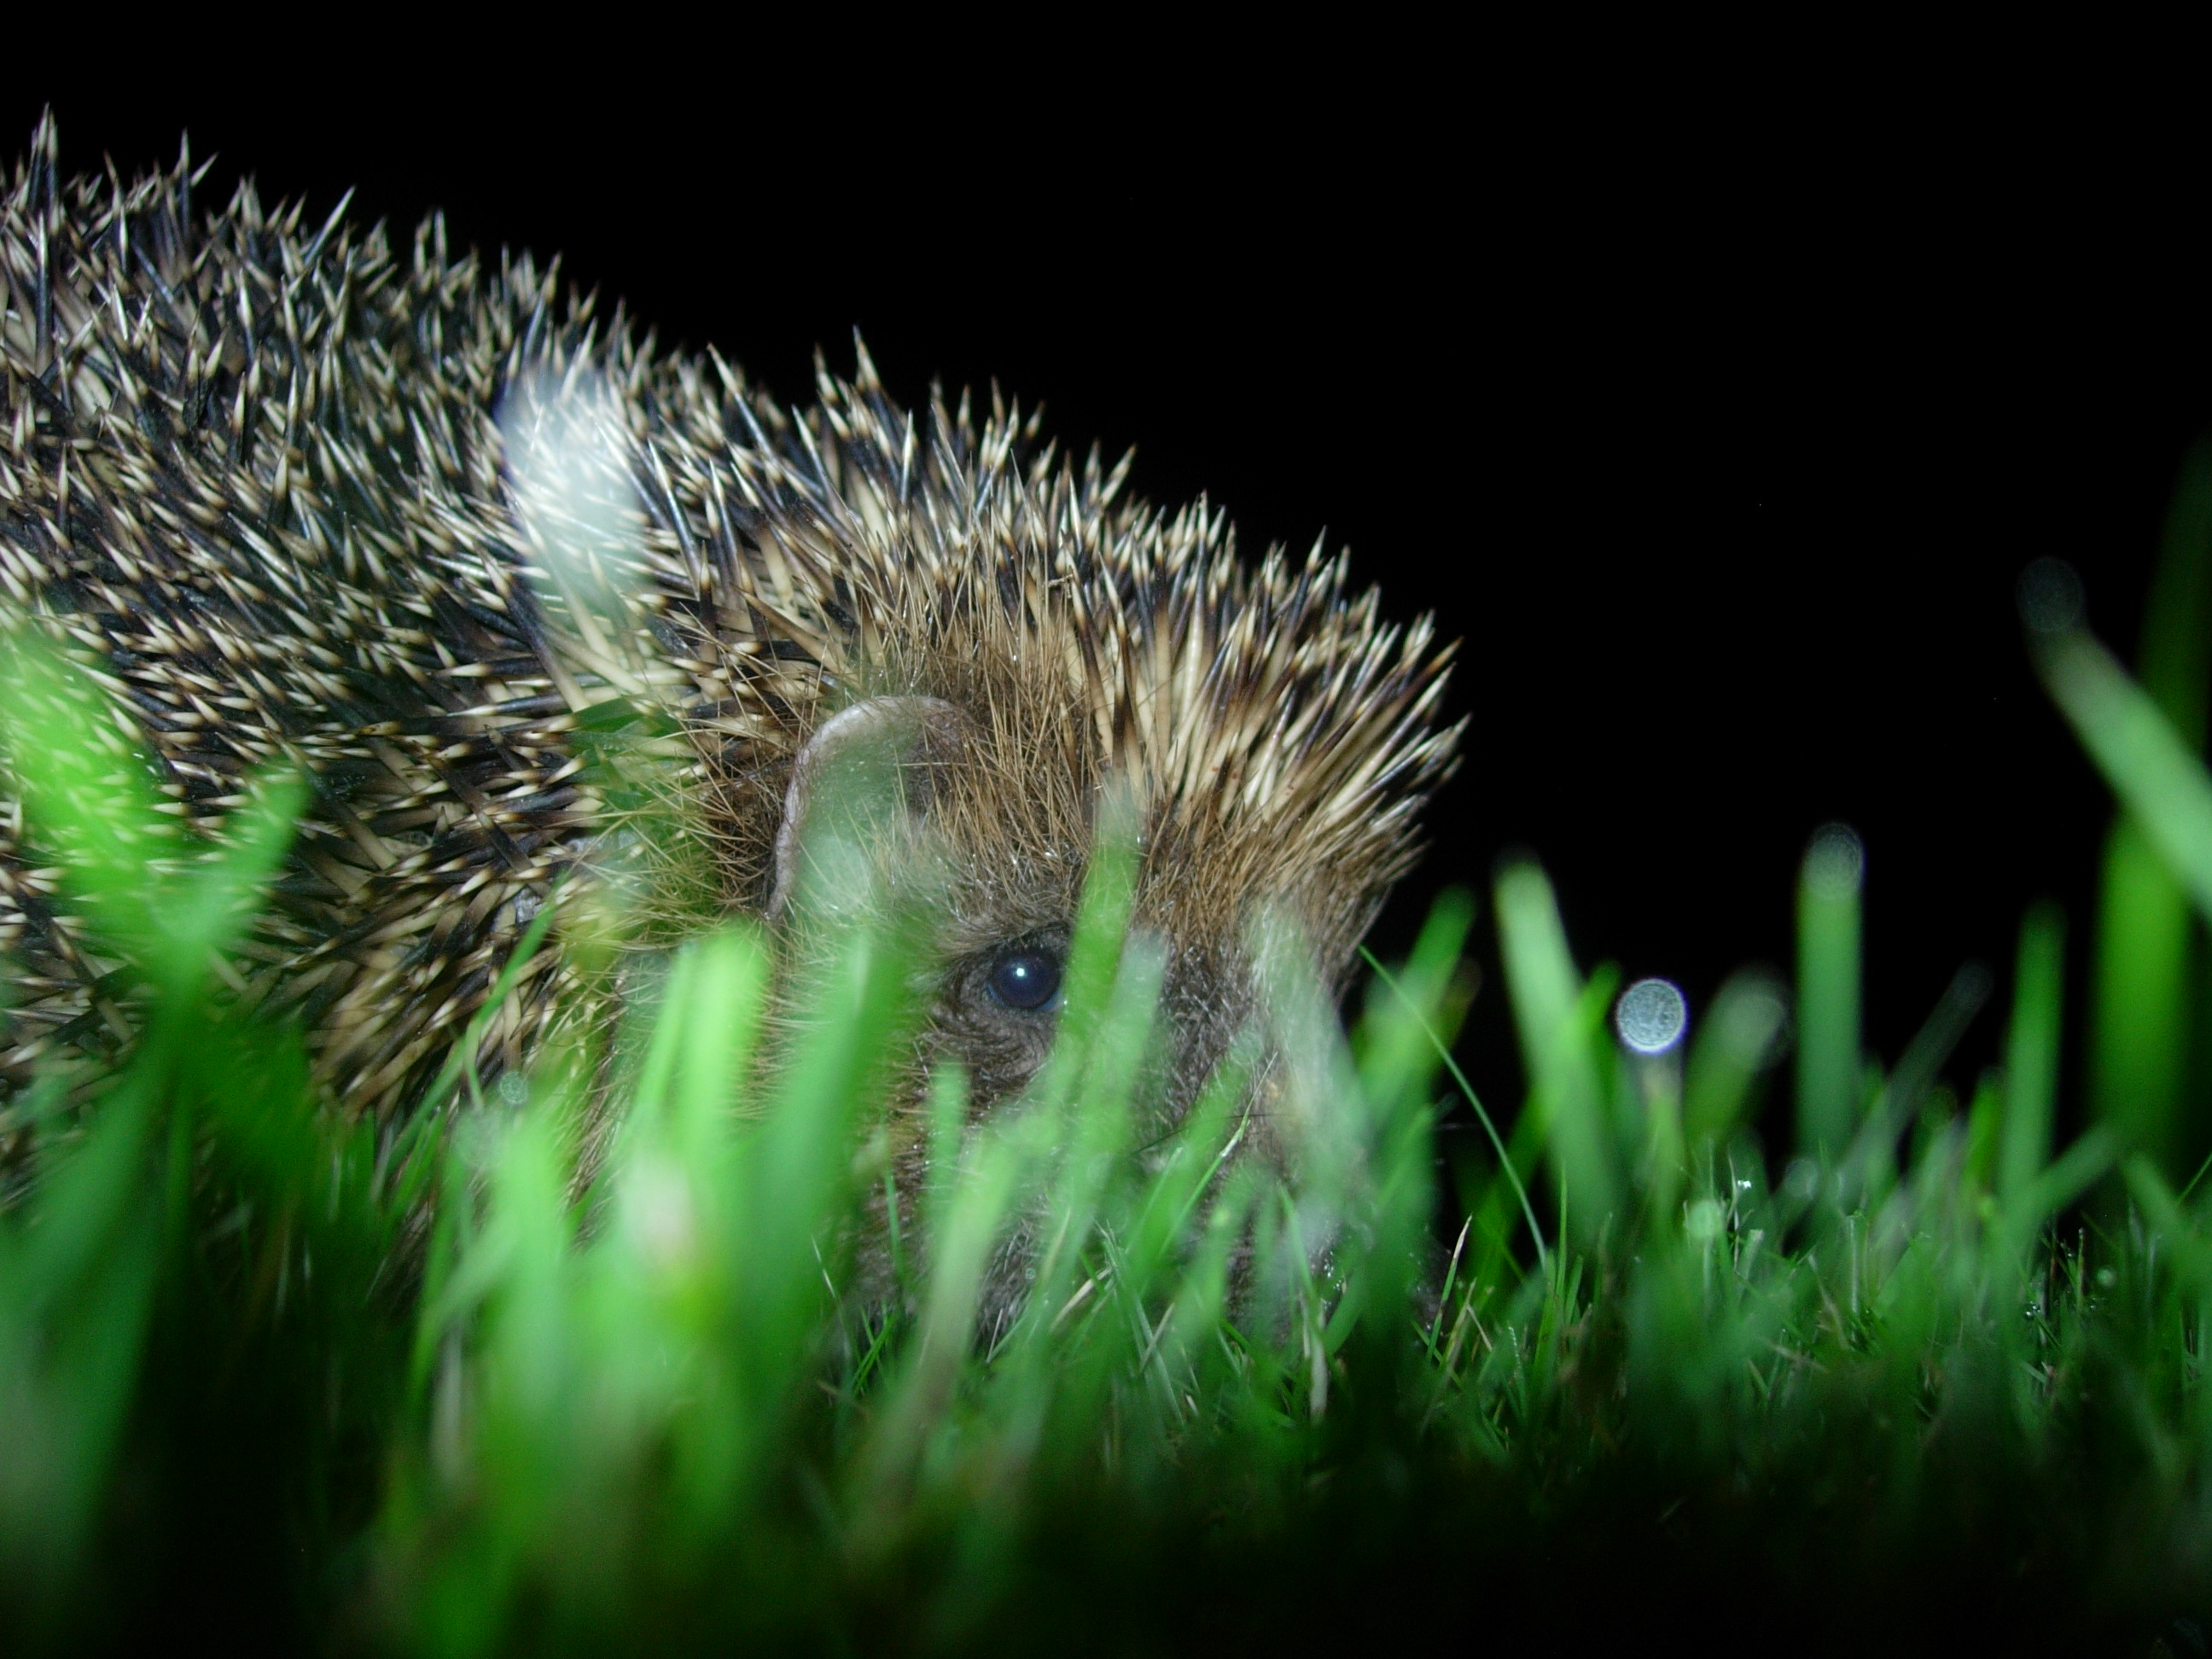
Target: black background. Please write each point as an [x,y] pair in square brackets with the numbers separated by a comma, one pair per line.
[1718,430]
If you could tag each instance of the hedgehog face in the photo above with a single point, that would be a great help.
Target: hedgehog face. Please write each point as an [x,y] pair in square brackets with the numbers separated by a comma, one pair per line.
[968,804]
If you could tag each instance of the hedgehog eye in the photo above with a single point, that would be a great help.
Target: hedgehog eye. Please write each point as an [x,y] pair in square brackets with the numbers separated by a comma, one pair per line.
[1026,978]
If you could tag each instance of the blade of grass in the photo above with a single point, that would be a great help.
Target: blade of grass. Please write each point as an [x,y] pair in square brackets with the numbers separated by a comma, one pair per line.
[1828,1055]
[2141,991]
[2136,747]
[1467,1092]
[2032,1055]
[1547,996]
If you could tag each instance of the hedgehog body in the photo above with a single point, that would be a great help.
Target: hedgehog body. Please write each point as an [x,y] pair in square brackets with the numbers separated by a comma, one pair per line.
[475,562]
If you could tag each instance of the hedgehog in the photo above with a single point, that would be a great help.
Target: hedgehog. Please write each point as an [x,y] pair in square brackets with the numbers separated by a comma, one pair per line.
[541,612]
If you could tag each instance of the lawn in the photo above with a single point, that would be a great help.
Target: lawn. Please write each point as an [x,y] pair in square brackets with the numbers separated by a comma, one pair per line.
[1734,1330]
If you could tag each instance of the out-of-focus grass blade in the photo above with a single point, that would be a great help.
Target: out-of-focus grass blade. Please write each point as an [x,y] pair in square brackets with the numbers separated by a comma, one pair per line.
[1402,1041]
[1094,952]
[2136,748]
[1320,1113]
[87,796]
[2032,1054]
[2191,1256]
[1096,1132]
[2068,1176]
[1195,1155]
[1084,1116]
[959,1253]
[1192,1324]
[530,1334]
[463,1055]
[1547,1005]
[76,1284]
[1735,1041]
[1985,1124]
[1931,1047]
[79,1264]
[2167,796]
[219,900]
[948,1123]
[798,1162]
[2176,661]
[718,1020]
[1397,1054]
[1872,1164]
[2141,992]
[1508,1170]
[1828,1057]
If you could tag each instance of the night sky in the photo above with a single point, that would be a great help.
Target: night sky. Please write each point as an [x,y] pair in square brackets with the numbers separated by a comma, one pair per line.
[1719,439]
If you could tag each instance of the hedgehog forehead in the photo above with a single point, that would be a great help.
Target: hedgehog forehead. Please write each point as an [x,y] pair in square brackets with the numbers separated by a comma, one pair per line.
[1012,817]
[1015,816]
[1013,823]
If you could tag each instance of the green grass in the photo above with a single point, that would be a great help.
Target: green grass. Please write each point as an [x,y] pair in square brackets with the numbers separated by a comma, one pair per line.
[1922,1377]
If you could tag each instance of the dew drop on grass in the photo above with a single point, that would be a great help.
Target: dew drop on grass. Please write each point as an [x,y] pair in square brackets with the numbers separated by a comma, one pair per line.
[1651,1016]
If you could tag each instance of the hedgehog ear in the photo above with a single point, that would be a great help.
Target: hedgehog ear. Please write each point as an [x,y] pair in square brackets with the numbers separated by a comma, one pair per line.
[863,766]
